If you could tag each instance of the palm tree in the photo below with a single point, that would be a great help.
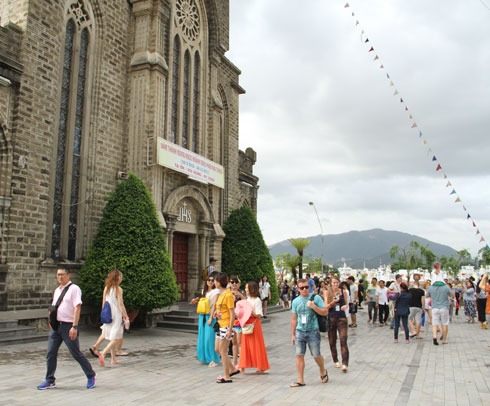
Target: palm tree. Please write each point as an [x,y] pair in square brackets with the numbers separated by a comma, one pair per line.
[300,244]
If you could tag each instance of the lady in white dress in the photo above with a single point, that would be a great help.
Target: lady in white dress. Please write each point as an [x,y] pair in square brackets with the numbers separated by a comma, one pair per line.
[112,331]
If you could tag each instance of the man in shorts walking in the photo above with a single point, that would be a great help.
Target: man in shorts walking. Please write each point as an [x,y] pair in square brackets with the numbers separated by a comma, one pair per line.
[305,331]
[440,294]
[416,305]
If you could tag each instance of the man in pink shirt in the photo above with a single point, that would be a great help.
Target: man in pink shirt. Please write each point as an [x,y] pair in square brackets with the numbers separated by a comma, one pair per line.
[68,315]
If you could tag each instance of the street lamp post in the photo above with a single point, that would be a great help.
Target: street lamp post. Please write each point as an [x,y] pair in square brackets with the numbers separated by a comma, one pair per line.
[321,230]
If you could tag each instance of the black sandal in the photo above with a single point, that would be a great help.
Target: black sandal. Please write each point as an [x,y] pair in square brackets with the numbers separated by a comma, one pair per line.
[324,376]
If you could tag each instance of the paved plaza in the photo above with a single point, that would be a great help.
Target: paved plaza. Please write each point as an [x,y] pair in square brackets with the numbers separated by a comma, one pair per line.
[162,370]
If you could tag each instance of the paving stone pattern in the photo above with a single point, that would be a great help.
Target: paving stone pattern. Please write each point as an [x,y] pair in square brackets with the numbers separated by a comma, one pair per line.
[162,369]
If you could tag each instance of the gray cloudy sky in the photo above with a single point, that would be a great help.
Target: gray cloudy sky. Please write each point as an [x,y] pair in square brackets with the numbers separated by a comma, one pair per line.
[326,127]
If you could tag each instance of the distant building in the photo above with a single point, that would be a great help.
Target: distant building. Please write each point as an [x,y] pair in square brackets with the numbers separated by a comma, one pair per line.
[93,89]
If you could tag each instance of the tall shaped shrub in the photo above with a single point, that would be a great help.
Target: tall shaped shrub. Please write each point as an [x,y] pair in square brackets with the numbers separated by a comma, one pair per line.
[130,239]
[244,251]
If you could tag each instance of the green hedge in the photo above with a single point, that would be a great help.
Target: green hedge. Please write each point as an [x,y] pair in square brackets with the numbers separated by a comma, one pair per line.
[130,239]
[244,251]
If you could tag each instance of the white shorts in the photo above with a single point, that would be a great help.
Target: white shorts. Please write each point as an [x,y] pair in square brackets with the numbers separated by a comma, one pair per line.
[415,315]
[440,317]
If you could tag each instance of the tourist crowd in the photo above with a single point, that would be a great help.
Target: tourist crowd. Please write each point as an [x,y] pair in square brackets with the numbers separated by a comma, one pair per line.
[230,330]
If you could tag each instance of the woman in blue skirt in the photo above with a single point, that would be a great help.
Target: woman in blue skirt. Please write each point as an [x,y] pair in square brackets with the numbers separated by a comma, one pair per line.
[206,353]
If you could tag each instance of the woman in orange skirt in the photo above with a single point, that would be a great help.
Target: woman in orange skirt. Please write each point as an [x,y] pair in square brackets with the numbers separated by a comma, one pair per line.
[252,350]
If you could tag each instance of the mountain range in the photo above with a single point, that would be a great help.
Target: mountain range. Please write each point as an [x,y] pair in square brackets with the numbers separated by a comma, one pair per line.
[370,248]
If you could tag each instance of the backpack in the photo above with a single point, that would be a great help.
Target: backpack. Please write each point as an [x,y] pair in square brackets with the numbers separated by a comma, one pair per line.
[106,314]
[323,321]
[203,305]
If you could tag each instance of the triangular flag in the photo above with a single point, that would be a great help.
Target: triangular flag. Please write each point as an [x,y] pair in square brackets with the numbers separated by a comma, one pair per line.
[482,239]
[464,208]
[388,76]
[381,67]
[468,216]
[346,5]
[458,200]
[352,14]
[372,49]
[487,247]
[401,100]
[439,167]
[434,158]
[396,92]
[406,108]
[429,151]
[420,133]
[477,231]
[425,142]
[357,22]
[367,40]
[376,57]
[448,184]
[474,225]
[410,117]
[414,125]
[445,176]
[391,83]
[453,192]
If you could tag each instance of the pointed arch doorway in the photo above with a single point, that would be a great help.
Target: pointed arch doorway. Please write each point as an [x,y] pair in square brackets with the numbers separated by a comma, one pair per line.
[180,265]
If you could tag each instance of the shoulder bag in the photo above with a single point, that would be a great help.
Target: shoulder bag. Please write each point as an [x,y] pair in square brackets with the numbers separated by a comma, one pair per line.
[53,310]
[106,314]
[323,321]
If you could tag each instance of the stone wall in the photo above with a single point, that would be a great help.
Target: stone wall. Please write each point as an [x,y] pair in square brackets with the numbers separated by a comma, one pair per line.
[127,104]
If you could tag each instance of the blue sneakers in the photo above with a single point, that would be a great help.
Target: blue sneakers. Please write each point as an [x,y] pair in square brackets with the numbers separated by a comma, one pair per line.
[46,385]
[91,383]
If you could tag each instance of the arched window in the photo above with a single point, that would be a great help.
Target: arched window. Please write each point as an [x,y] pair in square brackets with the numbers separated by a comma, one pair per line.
[175,90]
[196,104]
[185,103]
[71,131]
[189,44]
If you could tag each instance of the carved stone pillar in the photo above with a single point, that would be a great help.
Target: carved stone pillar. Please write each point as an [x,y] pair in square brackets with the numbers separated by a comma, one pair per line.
[148,77]
[171,219]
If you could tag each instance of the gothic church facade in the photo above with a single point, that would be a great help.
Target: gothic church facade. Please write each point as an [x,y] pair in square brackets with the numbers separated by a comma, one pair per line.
[91,90]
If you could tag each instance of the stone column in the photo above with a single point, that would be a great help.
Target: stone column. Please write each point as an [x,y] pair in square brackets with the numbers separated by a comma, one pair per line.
[171,220]
[148,78]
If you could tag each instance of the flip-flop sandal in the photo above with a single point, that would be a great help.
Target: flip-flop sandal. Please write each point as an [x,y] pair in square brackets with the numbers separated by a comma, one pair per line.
[93,352]
[323,377]
[235,373]
[223,380]
[101,360]
[122,354]
[297,385]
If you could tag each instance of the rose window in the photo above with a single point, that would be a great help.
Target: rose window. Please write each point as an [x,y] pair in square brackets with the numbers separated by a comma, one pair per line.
[188,18]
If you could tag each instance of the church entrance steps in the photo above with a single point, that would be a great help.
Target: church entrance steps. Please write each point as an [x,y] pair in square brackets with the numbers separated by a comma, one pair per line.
[12,333]
[185,319]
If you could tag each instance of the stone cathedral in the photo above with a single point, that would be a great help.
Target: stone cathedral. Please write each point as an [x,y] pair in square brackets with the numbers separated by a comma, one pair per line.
[91,90]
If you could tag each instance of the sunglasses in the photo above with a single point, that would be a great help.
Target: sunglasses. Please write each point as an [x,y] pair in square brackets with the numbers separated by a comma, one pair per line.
[234,282]
[303,287]
[210,280]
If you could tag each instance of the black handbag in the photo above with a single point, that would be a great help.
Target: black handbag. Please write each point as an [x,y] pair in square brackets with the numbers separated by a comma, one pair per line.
[323,321]
[216,327]
[53,310]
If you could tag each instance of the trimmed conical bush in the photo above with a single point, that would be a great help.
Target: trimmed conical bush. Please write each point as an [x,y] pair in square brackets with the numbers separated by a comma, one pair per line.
[244,251]
[130,239]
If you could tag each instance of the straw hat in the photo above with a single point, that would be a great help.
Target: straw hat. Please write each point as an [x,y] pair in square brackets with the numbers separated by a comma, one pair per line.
[243,311]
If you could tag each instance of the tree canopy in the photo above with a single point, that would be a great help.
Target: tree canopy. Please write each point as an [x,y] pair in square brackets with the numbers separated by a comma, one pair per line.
[245,253]
[130,238]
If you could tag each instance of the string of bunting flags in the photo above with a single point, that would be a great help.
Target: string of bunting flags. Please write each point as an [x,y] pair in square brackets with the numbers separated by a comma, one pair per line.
[413,124]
